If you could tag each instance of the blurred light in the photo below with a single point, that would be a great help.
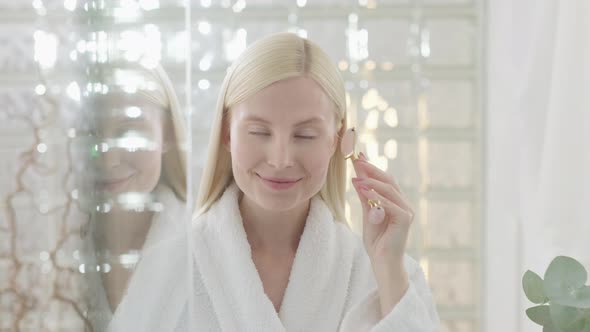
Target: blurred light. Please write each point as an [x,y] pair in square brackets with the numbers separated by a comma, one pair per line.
[177,46]
[425,43]
[40,89]
[127,12]
[372,120]
[387,65]
[73,55]
[43,255]
[74,194]
[363,3]
[301,3]
[343,65]
[424,263]
[98,268]
[37,4]
[103,208]
[71,132]
[205,3]
[133,112]
[73,91]
[132,142]
[364,84]
[370,65]
[354,68]
[45,48]
[239,6]
[82,268]
[225,3]
[302,33]
[236,45]
[129,259]
[106,268]
[353,18]
[76,255]
[204,84]
[423,119]
[81,46]
[70,5]
[204,27]
[390,149]
[358,44]
[42,147]
[148,5]
[370,99]
[205,63]
[390,117]
[382,104]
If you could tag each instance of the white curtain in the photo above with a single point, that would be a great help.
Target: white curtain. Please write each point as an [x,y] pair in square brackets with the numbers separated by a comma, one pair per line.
[537,143]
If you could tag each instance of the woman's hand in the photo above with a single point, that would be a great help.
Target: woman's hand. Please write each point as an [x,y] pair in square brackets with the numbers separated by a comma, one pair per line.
[385,231]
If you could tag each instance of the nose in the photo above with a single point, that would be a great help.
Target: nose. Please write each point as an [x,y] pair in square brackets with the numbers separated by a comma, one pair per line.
[281,154]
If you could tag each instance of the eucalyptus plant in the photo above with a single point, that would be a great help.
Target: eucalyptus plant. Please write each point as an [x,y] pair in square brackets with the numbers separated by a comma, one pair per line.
[562,296]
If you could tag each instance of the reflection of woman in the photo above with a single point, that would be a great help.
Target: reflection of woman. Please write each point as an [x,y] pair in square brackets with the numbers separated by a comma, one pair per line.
[139,173]
[271,249]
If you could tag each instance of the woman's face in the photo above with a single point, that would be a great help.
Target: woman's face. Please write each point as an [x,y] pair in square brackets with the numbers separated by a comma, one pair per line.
[131,160]
[281,141]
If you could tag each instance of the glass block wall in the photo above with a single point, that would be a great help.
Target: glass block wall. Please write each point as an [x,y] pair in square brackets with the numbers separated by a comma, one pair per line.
[51,58]
[412,72]
[413,76]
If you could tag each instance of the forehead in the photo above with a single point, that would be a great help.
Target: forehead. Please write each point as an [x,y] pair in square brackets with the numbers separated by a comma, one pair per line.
[123,108]
[288,100]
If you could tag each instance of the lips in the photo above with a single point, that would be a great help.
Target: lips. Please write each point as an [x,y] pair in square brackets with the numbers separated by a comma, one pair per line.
[110,182]
[278,179]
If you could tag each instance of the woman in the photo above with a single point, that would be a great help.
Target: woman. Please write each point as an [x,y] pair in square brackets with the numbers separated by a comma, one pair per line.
[272,250]
[138,185]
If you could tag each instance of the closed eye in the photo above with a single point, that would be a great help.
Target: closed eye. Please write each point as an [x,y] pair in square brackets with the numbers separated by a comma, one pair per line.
[305,137]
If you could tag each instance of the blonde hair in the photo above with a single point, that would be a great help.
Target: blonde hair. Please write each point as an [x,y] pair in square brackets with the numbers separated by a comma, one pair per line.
[161,94]
[274,58]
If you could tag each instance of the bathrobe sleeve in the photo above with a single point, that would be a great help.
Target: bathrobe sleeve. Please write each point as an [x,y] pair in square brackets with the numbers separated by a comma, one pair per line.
[415,312]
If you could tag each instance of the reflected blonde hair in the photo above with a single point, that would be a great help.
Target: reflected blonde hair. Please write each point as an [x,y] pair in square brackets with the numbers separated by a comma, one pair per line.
[163,96]
[274,58]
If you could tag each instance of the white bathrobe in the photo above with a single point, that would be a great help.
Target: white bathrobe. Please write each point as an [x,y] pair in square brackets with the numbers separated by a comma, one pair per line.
[207,281]
[156,291]
[331,286]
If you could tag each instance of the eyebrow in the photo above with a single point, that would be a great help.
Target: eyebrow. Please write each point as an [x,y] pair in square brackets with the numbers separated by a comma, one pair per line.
[304,122]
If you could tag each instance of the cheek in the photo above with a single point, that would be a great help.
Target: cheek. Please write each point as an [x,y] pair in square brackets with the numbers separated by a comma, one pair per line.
[144,162]
[317,160]
[244,153]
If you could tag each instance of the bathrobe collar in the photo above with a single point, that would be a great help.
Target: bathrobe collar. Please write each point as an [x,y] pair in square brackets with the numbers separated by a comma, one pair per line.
[224,256]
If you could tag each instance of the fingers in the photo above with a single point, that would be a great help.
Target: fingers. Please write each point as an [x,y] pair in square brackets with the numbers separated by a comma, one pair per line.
[384,189]
[392,209]
[365,169]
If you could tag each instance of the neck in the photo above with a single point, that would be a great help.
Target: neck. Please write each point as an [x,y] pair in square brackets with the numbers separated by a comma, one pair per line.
[277,232]
[120,231]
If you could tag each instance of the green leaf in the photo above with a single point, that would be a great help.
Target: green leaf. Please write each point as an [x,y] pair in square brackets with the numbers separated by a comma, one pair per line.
[532,285]
[579,298]
[563,277]
[567,319]
[550,328]
[539,314]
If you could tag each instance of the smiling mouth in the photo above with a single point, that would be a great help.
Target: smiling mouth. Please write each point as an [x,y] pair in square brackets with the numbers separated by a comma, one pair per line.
[276,180]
